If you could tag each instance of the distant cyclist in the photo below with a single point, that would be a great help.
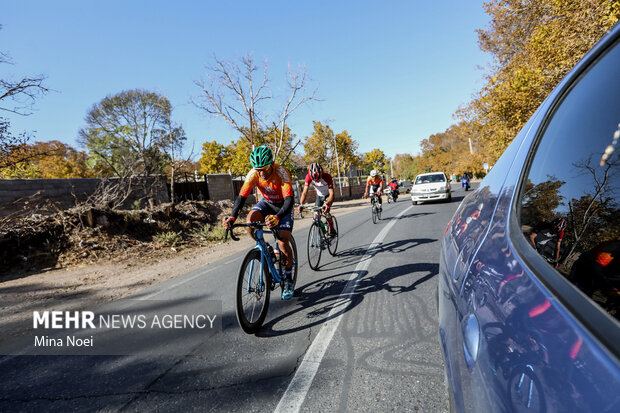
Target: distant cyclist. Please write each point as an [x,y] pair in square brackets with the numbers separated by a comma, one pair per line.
[276,207]
[324,185]
[374,185]
[547,239]
[394,187]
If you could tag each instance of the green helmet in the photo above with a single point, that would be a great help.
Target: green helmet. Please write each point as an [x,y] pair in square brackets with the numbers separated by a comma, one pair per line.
[261,157]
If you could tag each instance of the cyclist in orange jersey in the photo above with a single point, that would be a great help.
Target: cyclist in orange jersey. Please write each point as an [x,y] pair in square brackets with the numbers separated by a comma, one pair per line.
[374,185]
[276,207]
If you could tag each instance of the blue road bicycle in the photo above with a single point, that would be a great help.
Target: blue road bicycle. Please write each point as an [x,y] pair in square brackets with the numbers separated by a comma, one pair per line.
[262,270]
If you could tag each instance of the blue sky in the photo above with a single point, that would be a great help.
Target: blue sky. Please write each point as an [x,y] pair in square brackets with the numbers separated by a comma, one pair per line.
[391,73]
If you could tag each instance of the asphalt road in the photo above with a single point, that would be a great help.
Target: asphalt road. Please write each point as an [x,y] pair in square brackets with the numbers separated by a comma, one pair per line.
[361,335]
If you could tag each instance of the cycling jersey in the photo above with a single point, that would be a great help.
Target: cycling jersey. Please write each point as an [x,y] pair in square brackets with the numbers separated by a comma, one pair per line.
[274,189]
[323,185]
[374,182]
[394,186]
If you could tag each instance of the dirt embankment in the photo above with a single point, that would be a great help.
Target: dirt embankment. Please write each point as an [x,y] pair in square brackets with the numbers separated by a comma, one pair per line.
[79,236]
[121,254]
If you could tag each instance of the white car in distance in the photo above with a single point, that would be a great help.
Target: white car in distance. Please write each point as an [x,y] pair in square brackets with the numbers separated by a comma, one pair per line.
[430,187]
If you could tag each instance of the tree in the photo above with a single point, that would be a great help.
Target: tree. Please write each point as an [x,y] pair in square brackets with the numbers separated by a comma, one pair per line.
[215,158]
[450,151]
[316,146]
[175,139]
[240,157]
[332,151]
[129,132]
[345,147]
[540,201]
[597,209]
[232,93]
[402,162]
[235,157]
[17,97]
[51,159]
[534,44]
[376,159]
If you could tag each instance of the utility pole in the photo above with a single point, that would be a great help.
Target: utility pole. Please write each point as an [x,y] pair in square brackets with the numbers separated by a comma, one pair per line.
[338,167]
[471,149]
[391,168]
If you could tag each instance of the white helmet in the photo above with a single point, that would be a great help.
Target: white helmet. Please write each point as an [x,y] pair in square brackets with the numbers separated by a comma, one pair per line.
[373,172]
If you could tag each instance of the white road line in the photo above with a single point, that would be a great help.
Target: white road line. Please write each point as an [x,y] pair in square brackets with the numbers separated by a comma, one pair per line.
[231,261]
[295,394]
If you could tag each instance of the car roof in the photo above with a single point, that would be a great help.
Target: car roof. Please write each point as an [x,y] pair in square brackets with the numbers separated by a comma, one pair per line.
[431,173]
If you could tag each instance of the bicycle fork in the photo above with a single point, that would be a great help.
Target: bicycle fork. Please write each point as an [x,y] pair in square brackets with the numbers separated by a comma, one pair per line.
[259,287]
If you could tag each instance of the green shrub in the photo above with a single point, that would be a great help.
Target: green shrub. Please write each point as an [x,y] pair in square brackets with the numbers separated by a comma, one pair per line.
[131,217]
[210,232]
[170,238]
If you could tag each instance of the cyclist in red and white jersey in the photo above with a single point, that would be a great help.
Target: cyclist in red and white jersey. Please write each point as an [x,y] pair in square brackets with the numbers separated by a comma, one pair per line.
[324,185]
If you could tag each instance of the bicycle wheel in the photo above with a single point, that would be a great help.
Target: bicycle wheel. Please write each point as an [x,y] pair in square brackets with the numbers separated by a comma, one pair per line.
[252,293]
[389,198]
[525,391]
[333,243]
[379,211]
[314,246]
[375,212]
[295,260]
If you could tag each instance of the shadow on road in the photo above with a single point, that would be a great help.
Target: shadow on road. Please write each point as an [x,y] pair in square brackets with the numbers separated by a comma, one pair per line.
[320,298]
[351,255]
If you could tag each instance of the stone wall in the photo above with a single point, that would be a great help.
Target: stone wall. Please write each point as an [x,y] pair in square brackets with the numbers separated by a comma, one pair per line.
[64,191]
[15,189]
[220,187]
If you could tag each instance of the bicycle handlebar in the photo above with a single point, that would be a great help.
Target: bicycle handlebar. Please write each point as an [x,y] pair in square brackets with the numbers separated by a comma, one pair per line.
[255,225]
[312,207]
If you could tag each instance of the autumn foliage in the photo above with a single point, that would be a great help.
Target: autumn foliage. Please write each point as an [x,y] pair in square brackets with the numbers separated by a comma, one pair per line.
[51,159]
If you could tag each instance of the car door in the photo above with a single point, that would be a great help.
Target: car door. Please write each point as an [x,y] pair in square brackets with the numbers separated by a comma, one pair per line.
[538,336]
[464,235]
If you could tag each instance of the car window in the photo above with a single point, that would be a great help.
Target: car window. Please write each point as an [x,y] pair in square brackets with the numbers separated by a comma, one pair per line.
[570,200]
[427,179]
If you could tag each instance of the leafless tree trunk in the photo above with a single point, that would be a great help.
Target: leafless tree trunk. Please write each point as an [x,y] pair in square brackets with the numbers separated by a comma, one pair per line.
[230,93]
[22,94]
[296,81]
[580,225]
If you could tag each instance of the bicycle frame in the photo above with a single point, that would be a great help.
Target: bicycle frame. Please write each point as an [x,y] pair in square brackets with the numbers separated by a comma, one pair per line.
[265,257]
[374,199]
[253,294]
[318,214]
